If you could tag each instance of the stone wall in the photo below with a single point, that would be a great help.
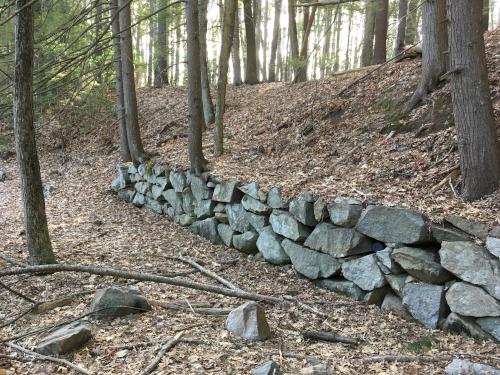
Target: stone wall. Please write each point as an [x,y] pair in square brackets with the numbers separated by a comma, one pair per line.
[445,276]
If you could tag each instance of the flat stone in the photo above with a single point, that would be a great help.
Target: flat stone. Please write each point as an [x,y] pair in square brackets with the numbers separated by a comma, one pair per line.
[220,207]
[188,202]
[469,300]
[472,263]
[238,218]
[448,233]
[204,209]
[132,170]
[394,304]
[376,296]
[186,220]
[310,263]
[421,264]
[255,206]
[345,211]
[139,200]
[303,211]
[465,367]
[392,224]
[319,369]
[160,170]
[285,224]
[337,241]
[493,246]
[208,229]
[364,272]
[258,222]
[397,283]
[246,242]
[475,229]
[127,195]
[120,182]
[175,200]
[163,182]
[346,288]
[386,263]
[269,244]
[154,205]
[464,326]
[320,210]
[253,190]
[178,181]
[274,199]
[268,368]
[491,326]
[200,189]
[226,234]
[116,301]
[249,322]
[227,192]
[425,302]
[65,339]
[168,210]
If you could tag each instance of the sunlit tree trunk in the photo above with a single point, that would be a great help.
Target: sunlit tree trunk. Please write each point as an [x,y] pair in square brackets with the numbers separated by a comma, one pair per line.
[152,25]
[161,69]
[274,43]
[292,32]
[486,15]
[301,75]
[208,107]
[236,48]
[414,10]
[251,64]
[347,51]
[369,33]
[381,26]
[401,34]
[327,43]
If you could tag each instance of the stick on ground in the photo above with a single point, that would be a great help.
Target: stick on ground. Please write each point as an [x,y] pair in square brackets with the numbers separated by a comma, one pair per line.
[329,337]
[164,349]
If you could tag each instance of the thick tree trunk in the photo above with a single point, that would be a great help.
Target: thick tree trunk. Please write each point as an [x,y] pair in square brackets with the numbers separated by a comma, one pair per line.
[401,34]
[120,107]
[236,49]
[347,51]
[152,24]
[414,10]
[486,15]
[301,75]
[292,31]
[369,33]
[326,46]
[35,220]
[478,144]
[161,69]
[208,107]
[177,51]
[279,67]
[251,65]
[230,9]
[274,43]
[336,64]
[129,95]
[257,18]
[381,26]
[198,162]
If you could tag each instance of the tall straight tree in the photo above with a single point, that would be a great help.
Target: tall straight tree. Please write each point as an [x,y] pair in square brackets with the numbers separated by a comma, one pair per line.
[197,160]
[368,33]
[257,19]
[478,144]
[274,43]
[235,51]
[411,36]
[208,107]
[152,27]
[137,153]
[230,9]
[251,66]
[301,75]
[381,26]
[161,70]
[35,219]
[292,32]
[401,34]
[486,15]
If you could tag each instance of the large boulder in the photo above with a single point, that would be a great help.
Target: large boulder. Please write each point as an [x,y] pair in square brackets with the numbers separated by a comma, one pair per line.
[269,244]
[336,241]
[268,368]
[425,302]
[397,283]
[345,211]
[464,326]
[491,326]
[204,209]
[344,287]
[226,234]
[472,263]
[178,181]
[285,224]
[252,189]
[174,199]
[274,199]
[493,246]
[258,222]
[121,181]
[65,339]
[394,304]
[310,263]
[255,206]
[154,205]
[227,192]
[208,229]
[476,229]
[116,301]
[421,264]
[249,322]
[200,189]
[238,218]
[127,195]
[364,272]
[445,232]
[303,211]
[246,242]
[188,202]
[139,200]
[465,367]
[394,225]
[469,300]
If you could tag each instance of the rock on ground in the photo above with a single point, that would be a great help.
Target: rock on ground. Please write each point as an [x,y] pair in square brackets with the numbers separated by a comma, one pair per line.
[422,264]
[394,304]
[285,224]
[344,287]
[269,244]
[470,300]
[65,339]
[465,367]
[226,234]
[246,242]
[475,229]
[364,272]
[337,241]
[249,322]
[208,229]
[227,192]
[425,302]
[491,326]
[464,326]
[345,211]
[493,246]
[268,368]
[116,301]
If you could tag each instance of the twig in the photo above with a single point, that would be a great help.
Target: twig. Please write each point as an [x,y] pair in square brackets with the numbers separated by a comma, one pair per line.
[439,161]
[329,337]
[138,345]
[48,358]
[19,294]
[306,307]
[196,310]
[451,186]
[13,261]
[407,358]
[59,302]
[164,349]
[25,312]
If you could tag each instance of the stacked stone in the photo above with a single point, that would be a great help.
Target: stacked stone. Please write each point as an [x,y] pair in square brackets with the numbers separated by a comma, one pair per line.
[389,256]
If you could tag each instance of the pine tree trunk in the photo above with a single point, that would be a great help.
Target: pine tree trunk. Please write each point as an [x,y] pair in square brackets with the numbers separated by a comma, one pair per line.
[478,144]
[486,15]
[301,75]
[414,10]
[349,28]
[251,65]
[35,219]
[161,69]
[274,43]
[230,9]
[336,64]
[98,31]
[401,34]
[326,44]
[236,49]
[279,67]
[177,51]
[369,33]
[264,41]
[256,11]
[292,31]
[208,107]
[381,26]
[152,8]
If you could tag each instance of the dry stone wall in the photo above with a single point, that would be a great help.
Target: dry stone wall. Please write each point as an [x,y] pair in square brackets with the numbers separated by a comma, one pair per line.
[442,275]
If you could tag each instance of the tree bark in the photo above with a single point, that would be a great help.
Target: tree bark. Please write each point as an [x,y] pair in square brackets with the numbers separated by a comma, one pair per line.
[326,46]
[401,34]
[236,49]
[292,31]
[274,43]
[338,15]
[301,75]
[478,144]
[369,33]
[161,69]
[152,8]
[381,26]
[411,36]
[257,18]
[198,162]
[251,66]
[486,15]
[35,219]
[208,107]
[347,51]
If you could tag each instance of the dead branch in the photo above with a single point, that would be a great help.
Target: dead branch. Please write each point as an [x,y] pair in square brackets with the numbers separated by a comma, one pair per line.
[197,310]
[164,349]
[12,321]
[306,307]
[48,358]
[15,292]
[138,345]
[59,302]
[141,276]
[407,358]
[329,337]
[12,260]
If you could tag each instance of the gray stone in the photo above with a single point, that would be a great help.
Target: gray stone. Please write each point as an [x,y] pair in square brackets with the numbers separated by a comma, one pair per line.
[269,244]
[274,198]
[425,302]
[169,210]
[160,170]
[178,181]
[116,301]
[186,220]
[465,367]
[464,326]
[319,369]
[127,195]
[163,182]
[227,192]
[421,264]
[394,304]
[174,199]
[469,300]
[249,322]
[303,211]
[320,210]
[310,263]
[386,263]
[221,217]
[188,202]
[376,296]
[346,288]
[157,192]
[139,200]
[141,187]
[495,232]
[150,178]
[120,182]
[132,170]
[345,211]
[3,176]
[307,196]
[208,229]
[246,242]
[268,368]
[472,263]
[200,189]
[491,326]
[220,207]
[337,241]
[226,234]
[252,189]
[154,205]
[238,218]
[65,339]
[258,222]
[443,232]
[397,283]
[392,224]
[255,206]
[285,224]
[493,246]
[364,272]
[204,209]
[475,229]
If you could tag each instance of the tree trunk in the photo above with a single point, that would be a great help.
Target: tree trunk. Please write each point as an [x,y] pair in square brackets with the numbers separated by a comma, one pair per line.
[369,33]
[236,49]
[198,162]
[251,66]
[347,51]
[336,64]
[98,31]
[152,24]
[230,7]
[161,69]
[401,34]
[478,144]
[434,47]
[129,95]
[264,41]
[120,107]
[301,75]
[412,22]
[208,107]
[256,11]
[381,25]
[486,15]
[177,50]
[292,31]
[35,219]
[274,43]
[279,57]
[326,45]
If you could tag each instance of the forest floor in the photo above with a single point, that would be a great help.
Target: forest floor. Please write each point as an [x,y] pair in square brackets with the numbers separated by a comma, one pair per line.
[295,136]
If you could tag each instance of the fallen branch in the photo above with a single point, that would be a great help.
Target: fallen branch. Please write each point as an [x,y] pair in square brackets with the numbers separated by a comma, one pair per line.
[13,261]
[48,358]
[12,321]
[138,345]
[407,358]
[19,294]
[164,349]
[197,310]
[329,337]
[306,307]
[59,302]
